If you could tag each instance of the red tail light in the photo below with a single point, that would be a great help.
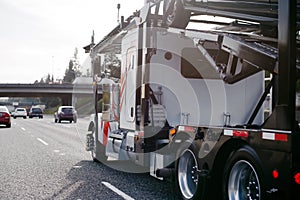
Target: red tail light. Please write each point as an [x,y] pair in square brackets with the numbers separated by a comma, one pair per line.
[275,174]
[297,178]
[5,115]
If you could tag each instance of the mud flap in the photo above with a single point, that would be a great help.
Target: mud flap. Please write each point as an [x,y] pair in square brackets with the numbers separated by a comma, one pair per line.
[203,176]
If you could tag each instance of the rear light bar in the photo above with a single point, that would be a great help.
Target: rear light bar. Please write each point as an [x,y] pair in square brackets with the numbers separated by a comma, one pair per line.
[236,133]
[283,137]
[187,129]
[275,136]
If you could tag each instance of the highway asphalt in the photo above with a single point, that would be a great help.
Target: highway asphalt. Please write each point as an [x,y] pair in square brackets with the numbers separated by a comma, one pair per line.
[40,159]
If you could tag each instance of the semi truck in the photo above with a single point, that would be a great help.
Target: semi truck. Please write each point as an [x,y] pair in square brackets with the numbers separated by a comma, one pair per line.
[190,103]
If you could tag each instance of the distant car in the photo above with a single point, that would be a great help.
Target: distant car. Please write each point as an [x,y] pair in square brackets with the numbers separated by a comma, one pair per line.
[20,112]
[5,116]
[35,112]
[65,113]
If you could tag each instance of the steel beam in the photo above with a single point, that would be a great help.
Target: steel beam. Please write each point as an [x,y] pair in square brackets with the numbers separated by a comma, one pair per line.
[283,116]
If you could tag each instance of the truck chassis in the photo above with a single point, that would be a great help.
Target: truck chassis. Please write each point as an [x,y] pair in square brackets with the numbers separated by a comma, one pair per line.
[242,153]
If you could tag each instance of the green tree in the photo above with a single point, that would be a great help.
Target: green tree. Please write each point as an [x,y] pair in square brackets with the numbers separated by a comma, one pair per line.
[48,79]
[51,102]
[112,65]
[42,81]
[69,73]
[73,70]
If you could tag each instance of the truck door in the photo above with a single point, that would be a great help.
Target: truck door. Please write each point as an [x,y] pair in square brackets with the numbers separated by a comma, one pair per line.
[128,89]
[130,86]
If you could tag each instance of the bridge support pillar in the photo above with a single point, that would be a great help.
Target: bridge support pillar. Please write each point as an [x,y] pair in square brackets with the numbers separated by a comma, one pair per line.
[66,100]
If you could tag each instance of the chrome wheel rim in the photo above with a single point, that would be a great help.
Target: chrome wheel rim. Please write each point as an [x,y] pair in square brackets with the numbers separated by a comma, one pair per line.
[188,174]
[243,182]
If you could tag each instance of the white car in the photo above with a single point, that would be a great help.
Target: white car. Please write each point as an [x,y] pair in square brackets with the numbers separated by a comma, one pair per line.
[20,112]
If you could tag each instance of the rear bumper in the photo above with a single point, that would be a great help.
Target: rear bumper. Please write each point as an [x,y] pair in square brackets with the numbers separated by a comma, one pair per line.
[20,115]
[66,117]
[5,121]
[35,115]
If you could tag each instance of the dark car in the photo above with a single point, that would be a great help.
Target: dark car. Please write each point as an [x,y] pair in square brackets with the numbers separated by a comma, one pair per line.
[5,116]
[65,113]
[35,112]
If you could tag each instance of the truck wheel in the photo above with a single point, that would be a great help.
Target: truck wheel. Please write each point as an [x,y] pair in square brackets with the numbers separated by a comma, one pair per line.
[242,176]
[187,177]
[175,15]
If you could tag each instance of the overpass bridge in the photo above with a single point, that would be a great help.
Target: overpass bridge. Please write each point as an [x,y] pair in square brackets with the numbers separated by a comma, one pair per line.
[64,91]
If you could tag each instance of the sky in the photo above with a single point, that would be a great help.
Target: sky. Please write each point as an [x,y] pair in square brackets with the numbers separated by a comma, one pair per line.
[39,37]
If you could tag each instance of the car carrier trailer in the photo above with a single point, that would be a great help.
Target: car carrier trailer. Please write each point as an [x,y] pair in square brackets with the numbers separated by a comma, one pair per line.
[190,103]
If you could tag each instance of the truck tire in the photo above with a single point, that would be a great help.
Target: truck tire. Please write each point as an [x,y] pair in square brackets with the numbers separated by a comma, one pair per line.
[188,181]
[243,176]
[175,15]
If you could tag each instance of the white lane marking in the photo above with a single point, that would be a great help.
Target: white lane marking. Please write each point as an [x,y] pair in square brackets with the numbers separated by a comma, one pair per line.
[58,152]
[42,141]
[23,129]
[116,190]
